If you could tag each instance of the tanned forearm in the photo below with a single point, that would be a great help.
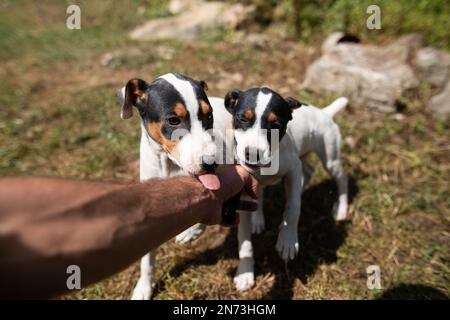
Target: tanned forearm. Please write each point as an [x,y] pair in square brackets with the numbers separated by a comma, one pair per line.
[48,224]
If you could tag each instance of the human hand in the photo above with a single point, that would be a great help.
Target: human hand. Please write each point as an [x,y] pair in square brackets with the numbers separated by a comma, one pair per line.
[226,182]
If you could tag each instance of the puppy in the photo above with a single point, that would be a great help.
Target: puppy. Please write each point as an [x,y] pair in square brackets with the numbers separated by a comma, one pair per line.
[257,115]
[175,118]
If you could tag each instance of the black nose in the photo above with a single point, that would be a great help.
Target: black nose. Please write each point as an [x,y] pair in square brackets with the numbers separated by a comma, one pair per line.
[250,156]
[209,167]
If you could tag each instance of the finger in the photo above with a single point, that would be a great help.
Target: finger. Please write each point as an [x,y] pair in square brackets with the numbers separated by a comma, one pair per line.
[248,205]
[250,183]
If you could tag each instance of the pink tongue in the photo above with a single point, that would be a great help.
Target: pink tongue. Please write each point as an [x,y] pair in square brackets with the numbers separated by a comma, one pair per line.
[210,181]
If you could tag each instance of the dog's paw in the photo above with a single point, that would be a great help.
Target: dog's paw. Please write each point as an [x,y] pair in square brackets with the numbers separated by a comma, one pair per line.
[258,223]
[245,275]
[143,290]
[340,211]
[287,243]
[190,234]
[244,281]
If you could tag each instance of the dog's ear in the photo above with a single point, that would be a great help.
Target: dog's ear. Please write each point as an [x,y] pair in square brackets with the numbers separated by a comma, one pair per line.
[231,99]
[128,95]
[293,103]
[203,85]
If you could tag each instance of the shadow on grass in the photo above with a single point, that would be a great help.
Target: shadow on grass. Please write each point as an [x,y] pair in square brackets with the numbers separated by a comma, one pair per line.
[413,292]
[319,237]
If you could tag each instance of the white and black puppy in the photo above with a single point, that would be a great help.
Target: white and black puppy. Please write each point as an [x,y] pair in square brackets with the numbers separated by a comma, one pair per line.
[175,118]
[301,129]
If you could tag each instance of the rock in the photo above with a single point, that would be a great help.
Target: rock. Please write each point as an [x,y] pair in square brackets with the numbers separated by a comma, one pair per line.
[350,141]
[178,6]
[236,15]
[106,59]
[370,75]
[193,17]
[440,103]
[433,66]
[398,116]
[331,41]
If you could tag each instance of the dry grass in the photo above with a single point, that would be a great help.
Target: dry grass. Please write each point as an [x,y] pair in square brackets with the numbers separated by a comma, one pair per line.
[60,117]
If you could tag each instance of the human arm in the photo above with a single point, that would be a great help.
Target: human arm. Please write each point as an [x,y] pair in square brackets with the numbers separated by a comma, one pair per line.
[48,224]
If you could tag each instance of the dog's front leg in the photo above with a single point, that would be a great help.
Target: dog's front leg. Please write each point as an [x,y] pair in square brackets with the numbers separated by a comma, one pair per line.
[245,276]
[307,170]
[258,223]
[144,286]
[287,243]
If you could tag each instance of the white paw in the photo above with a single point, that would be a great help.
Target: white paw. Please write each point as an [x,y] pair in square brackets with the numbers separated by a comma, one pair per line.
[258,223]
[244,281]
[340,212]
[190,234]
[245,275]
[143,290]
[287,243]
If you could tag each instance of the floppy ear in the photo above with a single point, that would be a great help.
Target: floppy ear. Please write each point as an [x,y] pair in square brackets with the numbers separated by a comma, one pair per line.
[294,104]
[129,94]
[231,99]
[203,84]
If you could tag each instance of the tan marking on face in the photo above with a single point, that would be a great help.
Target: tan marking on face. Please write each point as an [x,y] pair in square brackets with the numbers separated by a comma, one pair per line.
[154,130]
[272,117]
[180,110]
[249,114]
[205,107]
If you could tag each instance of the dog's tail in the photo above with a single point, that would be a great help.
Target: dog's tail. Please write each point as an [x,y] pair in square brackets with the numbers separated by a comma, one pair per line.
[336,106]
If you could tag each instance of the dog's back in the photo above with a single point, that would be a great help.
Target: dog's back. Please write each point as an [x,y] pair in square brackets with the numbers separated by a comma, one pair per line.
[310,125]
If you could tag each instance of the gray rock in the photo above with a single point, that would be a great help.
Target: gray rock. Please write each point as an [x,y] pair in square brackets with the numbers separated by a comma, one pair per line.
[433,66]
[371,75]
[193,18]
[331,41]
[178,6]
[440,103]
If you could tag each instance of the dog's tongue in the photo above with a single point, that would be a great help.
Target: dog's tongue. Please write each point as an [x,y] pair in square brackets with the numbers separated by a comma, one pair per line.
[210,181]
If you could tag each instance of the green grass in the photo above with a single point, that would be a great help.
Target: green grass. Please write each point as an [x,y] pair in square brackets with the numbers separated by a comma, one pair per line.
[60,117]
[319,17]
[40,33]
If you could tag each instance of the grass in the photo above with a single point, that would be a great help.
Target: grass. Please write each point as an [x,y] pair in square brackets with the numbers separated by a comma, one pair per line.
[60,117]
[320,17]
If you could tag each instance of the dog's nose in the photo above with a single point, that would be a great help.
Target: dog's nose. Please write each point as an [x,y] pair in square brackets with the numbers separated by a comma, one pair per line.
[209,167]
[250,155]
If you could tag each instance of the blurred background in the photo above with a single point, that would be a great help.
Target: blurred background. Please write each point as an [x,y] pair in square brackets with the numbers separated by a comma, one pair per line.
[59,116]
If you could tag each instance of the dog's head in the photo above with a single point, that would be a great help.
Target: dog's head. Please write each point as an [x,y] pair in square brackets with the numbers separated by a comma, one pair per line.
[176,113]
[256,113]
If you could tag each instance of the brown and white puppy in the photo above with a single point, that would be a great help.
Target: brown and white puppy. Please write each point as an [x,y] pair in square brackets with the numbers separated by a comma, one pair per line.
[175,119]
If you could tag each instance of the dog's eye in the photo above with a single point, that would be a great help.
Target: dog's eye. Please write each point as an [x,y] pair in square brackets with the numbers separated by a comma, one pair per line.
[242,118]
[173,121]
[209,116]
